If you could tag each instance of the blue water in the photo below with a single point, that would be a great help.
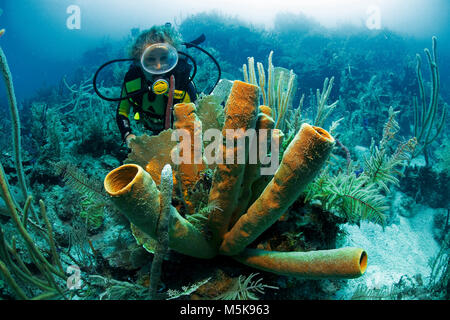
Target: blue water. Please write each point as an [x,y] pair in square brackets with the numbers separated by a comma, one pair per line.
[41,49]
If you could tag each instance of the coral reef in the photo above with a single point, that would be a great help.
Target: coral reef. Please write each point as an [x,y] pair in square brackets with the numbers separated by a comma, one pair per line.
[66,142]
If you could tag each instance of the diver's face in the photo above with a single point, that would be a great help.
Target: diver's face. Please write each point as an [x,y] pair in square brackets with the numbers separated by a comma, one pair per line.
[157,58]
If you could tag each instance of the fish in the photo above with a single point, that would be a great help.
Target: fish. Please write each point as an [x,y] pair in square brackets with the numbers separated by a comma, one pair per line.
[365,123]
[358,172]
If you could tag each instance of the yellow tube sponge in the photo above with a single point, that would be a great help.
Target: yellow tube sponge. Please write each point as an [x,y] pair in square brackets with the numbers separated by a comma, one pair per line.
[252,171]
[266,110]
[241,113]
[188,173]
[301,161]
[341,263]
[260,184]
[134,192]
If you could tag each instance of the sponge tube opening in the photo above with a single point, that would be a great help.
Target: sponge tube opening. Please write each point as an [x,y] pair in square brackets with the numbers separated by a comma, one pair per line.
[120,179]
[363,262]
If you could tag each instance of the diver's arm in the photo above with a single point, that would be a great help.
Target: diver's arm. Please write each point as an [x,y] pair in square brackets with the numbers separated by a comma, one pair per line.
[124,126]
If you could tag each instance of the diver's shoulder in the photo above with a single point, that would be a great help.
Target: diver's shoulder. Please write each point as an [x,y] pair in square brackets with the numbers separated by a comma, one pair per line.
[133,72]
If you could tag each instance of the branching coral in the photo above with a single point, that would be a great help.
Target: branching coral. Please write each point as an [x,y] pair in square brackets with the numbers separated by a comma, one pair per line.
[278,94]
[280,91]
[14,120]
[426,126]
[11,263]
[77,123]
[323,109]
[50,280]
[380,168]
[78,96]
[359,196]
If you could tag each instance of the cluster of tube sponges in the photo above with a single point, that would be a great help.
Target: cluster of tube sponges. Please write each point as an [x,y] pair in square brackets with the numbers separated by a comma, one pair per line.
[246,203]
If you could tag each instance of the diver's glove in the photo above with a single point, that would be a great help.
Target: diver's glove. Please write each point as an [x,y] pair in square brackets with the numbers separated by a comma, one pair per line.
[128,138]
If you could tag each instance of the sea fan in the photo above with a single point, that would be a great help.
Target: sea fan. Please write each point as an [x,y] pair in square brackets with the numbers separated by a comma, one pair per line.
[210,112]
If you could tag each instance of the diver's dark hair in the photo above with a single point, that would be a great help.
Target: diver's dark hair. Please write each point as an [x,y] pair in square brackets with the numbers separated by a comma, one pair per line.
[155,34]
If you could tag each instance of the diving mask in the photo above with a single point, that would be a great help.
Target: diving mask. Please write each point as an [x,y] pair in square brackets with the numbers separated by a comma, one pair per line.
[159,58]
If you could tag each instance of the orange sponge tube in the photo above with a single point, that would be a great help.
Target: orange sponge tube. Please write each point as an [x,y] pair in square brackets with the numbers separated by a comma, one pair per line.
[252,171]
[302,160]
[188,173]
[344,263]
[241,113]
[135,194]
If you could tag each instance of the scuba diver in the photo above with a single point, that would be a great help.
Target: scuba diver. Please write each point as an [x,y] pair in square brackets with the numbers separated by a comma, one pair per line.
[159,77]
[155,50]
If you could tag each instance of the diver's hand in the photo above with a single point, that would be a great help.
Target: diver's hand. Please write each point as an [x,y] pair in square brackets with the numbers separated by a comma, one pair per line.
[129,138]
